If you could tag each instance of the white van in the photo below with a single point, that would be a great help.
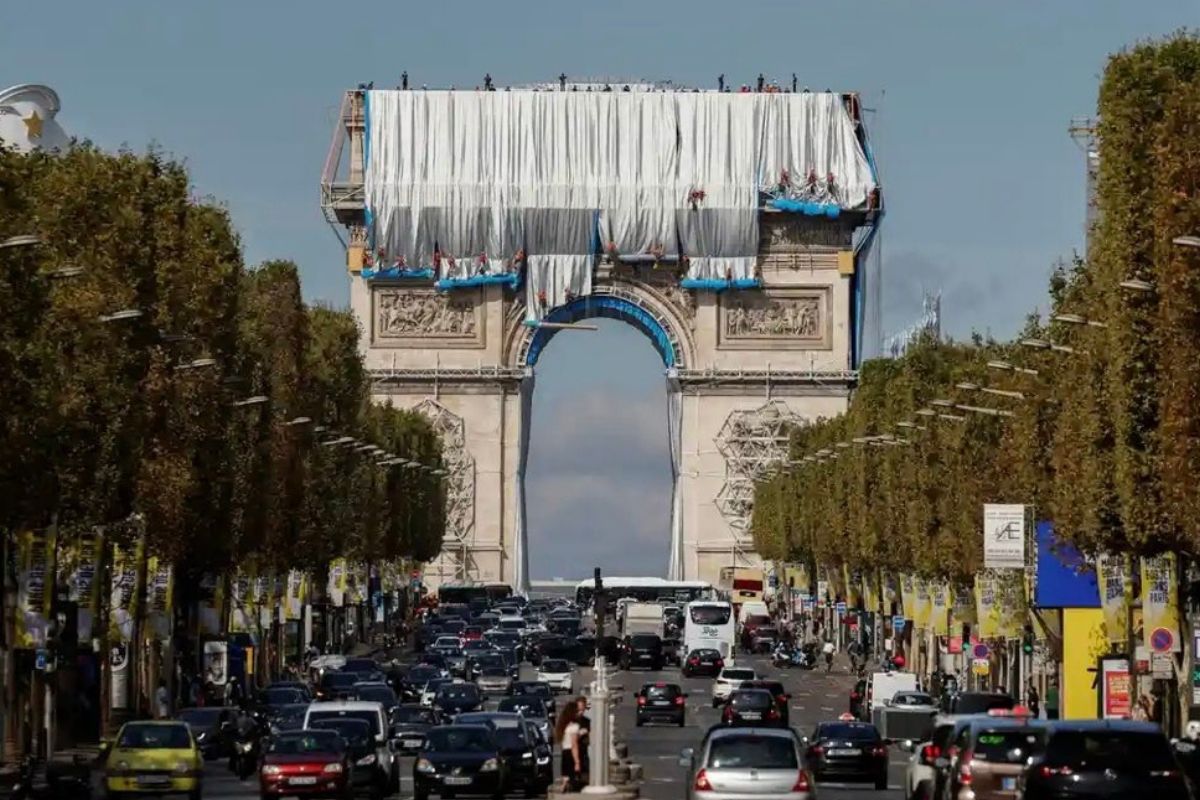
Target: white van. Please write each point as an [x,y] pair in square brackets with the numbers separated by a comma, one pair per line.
[387,766]
[882,687]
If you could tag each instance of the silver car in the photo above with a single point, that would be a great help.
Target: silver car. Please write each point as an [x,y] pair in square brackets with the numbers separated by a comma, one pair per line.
[736,763]
[494,680]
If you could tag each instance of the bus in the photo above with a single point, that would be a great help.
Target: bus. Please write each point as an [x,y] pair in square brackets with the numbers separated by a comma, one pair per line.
[645,590]
[464,593]
[709,624]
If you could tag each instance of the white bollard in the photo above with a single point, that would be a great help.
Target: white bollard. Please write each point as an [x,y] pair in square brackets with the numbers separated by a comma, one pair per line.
[599,745]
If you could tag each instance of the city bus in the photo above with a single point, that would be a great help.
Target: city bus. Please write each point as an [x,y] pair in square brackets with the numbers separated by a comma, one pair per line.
[744,584]
[709,624]
[645,590]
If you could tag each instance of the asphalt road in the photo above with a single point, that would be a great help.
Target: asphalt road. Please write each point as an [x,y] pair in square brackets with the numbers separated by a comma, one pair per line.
[816,696]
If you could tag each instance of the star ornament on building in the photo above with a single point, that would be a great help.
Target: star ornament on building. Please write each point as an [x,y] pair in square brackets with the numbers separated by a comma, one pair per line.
[33,125]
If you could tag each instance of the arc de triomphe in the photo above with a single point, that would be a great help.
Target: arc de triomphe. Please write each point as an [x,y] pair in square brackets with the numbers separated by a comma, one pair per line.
[739,366]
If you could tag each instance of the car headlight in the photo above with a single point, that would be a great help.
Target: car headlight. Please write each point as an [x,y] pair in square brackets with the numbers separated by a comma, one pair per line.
[425,765]
[543,760]
[245,747]
[491,765]
[201,736]
[122,765]
[271,769]
[366,761]
[182,768]
[527,754]
[335,767]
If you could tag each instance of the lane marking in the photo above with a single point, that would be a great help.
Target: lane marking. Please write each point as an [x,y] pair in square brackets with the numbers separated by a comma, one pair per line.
[826,708]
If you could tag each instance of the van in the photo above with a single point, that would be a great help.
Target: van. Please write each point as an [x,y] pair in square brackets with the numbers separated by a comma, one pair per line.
[882,687]
[386,765]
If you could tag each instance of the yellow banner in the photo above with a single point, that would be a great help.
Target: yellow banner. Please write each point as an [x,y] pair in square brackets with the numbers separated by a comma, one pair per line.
[160,601]
[1160,603]
[1013,606]
[923,605]
[908,596]
[212,605]
[124,596]
[1116,594]
[891,594]
[987,606]
[337,581]
[294,602]
[870,590]
[939,615]
[963,600]
[35,587]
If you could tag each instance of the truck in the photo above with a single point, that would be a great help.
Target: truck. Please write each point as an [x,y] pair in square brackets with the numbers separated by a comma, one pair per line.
[642,618]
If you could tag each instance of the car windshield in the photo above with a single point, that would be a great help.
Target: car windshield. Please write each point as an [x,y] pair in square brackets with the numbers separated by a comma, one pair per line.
[981,703]
[201,718]
[738,674]
[376,694]
[154,737]
[289,717]
[912,699]
[318,718]
[1007,746]
[665,692]
[279,697]
[339,680]
[752,752]
[294,744]
[459,740]
[1123,751]
[356,732]
[766,632]
[644,640]
[850,731]
[477,646]
[492,671]
[360,665]
[710,615]
[454,626]
[421,675]
[413,715]
[757,698]
[706,655]
[774,687]
[535,689]
[555,665]
[459,691]
[447,641]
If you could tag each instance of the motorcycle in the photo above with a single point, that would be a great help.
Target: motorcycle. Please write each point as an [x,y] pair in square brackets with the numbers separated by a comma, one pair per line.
[783,658]
[247,750]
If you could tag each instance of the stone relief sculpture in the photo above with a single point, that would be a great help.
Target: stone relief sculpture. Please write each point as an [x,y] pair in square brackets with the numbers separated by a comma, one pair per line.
[411,314]
[759,316]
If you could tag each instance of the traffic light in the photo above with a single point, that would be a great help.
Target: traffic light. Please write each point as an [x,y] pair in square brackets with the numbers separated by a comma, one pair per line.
[1027,640]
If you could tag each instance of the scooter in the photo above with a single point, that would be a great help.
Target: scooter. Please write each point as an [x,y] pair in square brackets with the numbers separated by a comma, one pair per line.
[783,658]
[247,748]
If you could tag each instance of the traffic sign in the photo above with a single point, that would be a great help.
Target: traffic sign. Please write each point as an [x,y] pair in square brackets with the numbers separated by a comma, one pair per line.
[898,624]
[841,608]
[1162,640]
[980,650]
[981,666]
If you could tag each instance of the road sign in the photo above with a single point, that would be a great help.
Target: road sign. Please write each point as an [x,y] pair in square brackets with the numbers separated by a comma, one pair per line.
[981,666]
[1162,640]
[1162,665]
[980,650]
[841,608]
[898,624]
[39,661]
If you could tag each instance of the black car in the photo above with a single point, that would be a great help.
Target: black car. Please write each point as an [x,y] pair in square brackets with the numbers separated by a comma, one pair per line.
[777,691]
[360,748]
[848,751]
[531,707]
[336,685]
[661,702]
[297,685]
[537,689]
[543,752]
[453,699]
[555,646]
[286,718]
[753,708]
[460,759]
[279,696]
[212,728]
[478,662]
[1104,758]
[517,747]
[643,650]
[980,703]
[360,665]
[415,680]
[409,724]
[376,693]
[703,662]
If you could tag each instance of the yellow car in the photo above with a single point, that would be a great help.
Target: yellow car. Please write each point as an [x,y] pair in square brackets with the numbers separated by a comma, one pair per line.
[153,759]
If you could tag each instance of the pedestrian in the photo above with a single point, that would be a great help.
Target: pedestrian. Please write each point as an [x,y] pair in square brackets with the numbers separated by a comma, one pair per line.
[233,692]
[1142,711]
[585,736]
[162,701]
[567,736]
[1052,699]
[828,650]
[1034,700]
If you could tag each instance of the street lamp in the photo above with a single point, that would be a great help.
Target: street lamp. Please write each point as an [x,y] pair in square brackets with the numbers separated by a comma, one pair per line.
[1137,285]
[256,400]
[338,442]
[1007,367]
[123,314]
[994,412]
[1186,241]
[1043,344]
[20,241]
[198,363]
[911,426]
[1075,319]
[298,421]
[64,272]
[966,386]
[942,403]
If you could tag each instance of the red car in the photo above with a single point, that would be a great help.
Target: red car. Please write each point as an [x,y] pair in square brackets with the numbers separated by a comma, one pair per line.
[471,633]
[304,763]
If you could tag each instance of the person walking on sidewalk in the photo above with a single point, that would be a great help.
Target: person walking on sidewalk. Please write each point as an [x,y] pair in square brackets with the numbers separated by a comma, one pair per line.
[162,701]
[828,650]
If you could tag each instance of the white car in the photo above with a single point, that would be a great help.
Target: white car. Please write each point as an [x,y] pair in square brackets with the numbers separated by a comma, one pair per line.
[557,673]
[920,774]
[730,678]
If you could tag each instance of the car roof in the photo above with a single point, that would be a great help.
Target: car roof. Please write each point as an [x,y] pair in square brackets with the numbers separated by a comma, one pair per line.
[1127,725]
[159,723]
[722,732]
[347,705]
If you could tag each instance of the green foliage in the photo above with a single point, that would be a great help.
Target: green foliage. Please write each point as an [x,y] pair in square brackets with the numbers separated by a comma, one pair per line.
[106,420]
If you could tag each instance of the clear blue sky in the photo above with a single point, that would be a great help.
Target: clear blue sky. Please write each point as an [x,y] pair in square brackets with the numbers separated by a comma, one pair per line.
[984,187]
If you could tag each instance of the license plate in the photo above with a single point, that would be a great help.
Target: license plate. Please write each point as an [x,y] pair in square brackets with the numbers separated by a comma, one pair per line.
[848,751]
[455,781]
[752,715]
[661,702]
[1008,784]
[153,780]
[413,742]
[303,780]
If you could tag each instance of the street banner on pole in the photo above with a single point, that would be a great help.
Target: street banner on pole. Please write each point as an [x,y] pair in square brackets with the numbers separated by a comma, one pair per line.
[908,597]
[922,605]
[35,586]
[160,584]
[337,581]
[212,605]
[1160,605]
[241,612]
[986,605]
[78,565]
[1003,536]
[294,604]
[123,598]
[1116,593]
[939,593]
